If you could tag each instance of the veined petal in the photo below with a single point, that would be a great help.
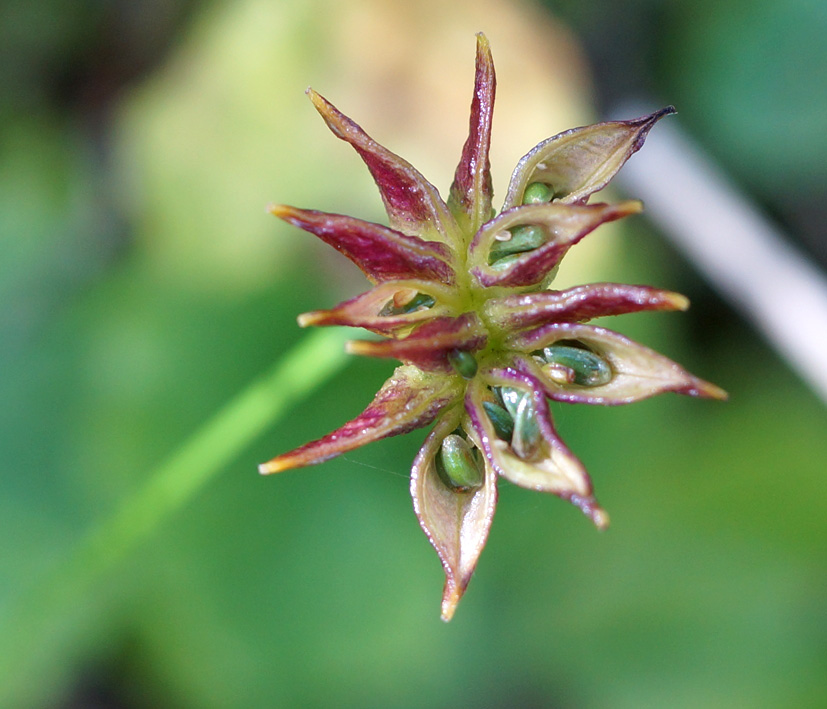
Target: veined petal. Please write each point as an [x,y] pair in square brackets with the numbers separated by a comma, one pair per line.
[638,372]
[430,345]
[413,204]
[552,467]
[563,225]
[392,308]
[471,192]
[410,399]
[383,254]
[579,304]
[456,522]
[581,161]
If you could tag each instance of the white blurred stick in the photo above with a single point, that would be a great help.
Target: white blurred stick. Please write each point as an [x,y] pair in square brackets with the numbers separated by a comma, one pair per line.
[741,254]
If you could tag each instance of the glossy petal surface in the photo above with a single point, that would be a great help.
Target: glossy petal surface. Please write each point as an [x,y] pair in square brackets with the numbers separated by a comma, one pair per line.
[581,161]
[366,310]
[455,522]
[382,254]
[638,371]
[552,468]
[471,192]
[579,304]
[430,345]
[564,225]
[413,204]
[409,400]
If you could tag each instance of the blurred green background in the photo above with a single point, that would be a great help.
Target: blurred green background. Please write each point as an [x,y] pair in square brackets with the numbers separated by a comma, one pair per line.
[144,287]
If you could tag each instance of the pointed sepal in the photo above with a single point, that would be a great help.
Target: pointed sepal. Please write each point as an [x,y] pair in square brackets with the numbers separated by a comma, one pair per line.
[410,399]
[560,225]
[413,204]
[455,521]
[381,253]
[392,308]
[581,161]
[546,464]
[578,304]
[431,346]
[471,191]
[637,372]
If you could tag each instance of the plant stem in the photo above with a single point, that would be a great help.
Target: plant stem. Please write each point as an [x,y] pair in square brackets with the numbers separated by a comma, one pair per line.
[27,640]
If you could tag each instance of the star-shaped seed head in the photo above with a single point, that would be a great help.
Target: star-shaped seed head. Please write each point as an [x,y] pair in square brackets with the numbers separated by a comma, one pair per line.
[462,298]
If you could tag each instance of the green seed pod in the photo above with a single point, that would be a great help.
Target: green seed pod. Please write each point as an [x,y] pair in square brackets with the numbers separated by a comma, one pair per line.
[500,418]
[457,464]
[463,362]
[526,437]
[538,193]
[590,369]
[523,238]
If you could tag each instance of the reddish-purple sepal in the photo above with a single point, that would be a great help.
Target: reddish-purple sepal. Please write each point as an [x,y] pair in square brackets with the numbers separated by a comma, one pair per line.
[514,312]
[471,192]
[637,371]
[580,161]
[409,400]
[552,467]
[383,254]
[456,522]
[564,225]
[430,345]
[366,310]
[413,204]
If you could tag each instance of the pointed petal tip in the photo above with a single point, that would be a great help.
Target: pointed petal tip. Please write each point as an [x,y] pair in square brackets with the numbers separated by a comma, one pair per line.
[676,301]
[628,207]
[282,211]
[276,465]
[450,600]
[359,347]
[708,390]
[307,319]
[600,518]
[589,507]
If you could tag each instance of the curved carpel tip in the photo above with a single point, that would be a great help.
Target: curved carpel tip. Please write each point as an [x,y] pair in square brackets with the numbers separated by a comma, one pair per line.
[271,466]
[308,319]
[600,518]
[364,348]
[628,207]
[677,301]
[713,391]
[449,604]
[282,211]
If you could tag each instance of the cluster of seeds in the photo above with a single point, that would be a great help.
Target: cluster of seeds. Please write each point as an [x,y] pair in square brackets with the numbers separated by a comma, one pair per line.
[463,299]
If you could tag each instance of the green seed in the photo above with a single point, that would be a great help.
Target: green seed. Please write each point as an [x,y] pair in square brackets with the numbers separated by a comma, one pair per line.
[420,300]
[538,193]
[503,263]
[463,362]
[457,464]
[526,438]
[500,418]
[590,370]
[511,399]
[523,238]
